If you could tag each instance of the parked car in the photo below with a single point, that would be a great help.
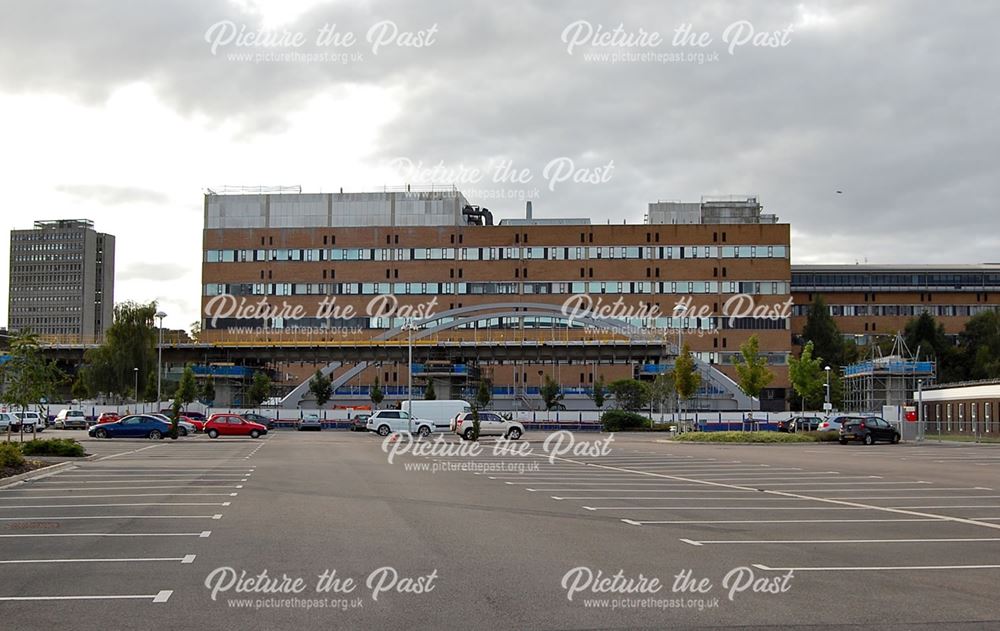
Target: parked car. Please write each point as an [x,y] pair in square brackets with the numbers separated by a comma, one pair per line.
[28,421]
[183,427]
[868,431]
[360,423]
[266,421]
[232,425]
[7,421]
[385,422]
[195,423]
[832,423]
[107,417]
[194,416]
[490,424]
[310,421]
[133,426]
[71,419]
[440,411]
[800,424]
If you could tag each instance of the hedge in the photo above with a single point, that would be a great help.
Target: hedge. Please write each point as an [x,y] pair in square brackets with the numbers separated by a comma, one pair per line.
[619,420]
[53,447]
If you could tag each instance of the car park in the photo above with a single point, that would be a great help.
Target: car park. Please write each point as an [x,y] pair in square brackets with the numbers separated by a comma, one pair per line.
[868,431]
[385,422]
[132,426]
[232,425]
[28,421]
[70,419]
[310,421]
[490,424]
[360,423]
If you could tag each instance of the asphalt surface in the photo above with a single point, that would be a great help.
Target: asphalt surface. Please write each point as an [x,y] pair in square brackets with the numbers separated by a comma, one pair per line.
[886,536]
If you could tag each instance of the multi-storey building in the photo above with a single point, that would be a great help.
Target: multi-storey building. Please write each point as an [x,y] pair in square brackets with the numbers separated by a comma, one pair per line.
[434,252]
[871,301]
[62,279]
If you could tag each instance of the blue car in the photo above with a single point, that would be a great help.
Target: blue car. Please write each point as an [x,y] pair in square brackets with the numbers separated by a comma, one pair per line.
[134,426]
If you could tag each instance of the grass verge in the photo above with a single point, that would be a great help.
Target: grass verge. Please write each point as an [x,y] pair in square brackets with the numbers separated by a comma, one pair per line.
[65,447]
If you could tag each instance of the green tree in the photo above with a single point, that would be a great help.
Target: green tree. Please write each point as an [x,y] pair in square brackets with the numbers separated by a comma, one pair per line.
[979,347]
[375,393]
[822,331]
[806,375]
[598,393]
[259,390]
[80,390]
[687,379]
[27,377]
[206,391]
[751,367]
[662,391]
[550,393]
[429,394]
[321,388]
[630,395]
[187,388]
[130,342]
[484,394]
[149,392]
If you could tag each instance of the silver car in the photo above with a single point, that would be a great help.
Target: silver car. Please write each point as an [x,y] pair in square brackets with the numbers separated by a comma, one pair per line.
[310,421]
[183,427]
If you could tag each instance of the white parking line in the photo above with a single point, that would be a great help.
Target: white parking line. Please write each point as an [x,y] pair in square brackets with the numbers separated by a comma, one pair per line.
[203,534]
[876,568]
[798,508]
[60,489]
[123,504]
[122,453]
[641,522]
[160,597]
[187,558]
[79,496]
[850,541]
[78,517]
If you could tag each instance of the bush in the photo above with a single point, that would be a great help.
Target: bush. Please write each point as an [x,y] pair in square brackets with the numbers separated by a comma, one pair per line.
[744,437]
[823,437]
[620,420]
[10,456]
[53,447]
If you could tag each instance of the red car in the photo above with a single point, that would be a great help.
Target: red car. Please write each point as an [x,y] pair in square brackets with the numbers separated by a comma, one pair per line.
[199,426]
[232,425]
[107,417]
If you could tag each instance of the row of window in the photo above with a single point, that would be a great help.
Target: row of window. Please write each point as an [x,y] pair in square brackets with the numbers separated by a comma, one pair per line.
[553,253]
[806,281]
[46,236]
[900,310]
[955,418]
[496,288]
[24,258]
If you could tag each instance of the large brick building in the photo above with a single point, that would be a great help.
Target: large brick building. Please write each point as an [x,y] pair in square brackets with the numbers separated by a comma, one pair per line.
[304,250]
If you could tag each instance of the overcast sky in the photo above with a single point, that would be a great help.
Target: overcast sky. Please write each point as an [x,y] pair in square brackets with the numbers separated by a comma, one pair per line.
[124,112]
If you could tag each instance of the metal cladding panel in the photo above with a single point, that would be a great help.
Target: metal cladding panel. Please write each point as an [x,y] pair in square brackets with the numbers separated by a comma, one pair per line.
[298,211]
[236,211]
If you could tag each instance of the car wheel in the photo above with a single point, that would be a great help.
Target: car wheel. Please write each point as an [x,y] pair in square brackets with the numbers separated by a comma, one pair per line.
[101,433]
[155,435]
[843,441]
[869,440]
[213,433]
[183,431]
[514,433]
[383,430]
[895,439]
[254,434]
[469,434]
[423,431]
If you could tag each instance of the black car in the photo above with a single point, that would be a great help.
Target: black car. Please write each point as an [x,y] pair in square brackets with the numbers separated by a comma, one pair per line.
[800,424]
[868,430]
[266,421]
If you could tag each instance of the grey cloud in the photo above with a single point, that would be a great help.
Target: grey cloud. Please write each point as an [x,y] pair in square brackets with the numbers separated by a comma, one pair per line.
[113,195]
[152,271]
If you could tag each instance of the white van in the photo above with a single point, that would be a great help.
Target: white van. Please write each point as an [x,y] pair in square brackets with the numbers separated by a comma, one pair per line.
[441,412]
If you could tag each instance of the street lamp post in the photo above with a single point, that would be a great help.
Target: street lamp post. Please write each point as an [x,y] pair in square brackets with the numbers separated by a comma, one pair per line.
[679,310]
[135,374]
[408,325]
[920,410]
[827,406]
[159,359]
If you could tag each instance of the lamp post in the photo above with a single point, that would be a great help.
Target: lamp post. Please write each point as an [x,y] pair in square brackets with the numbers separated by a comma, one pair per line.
[827,406]
[679,310]
[159,358]
[135,374]
[920,410]
[408,325]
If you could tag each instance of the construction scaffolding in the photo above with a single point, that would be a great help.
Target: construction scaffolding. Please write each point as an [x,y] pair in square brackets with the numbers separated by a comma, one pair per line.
[885,379]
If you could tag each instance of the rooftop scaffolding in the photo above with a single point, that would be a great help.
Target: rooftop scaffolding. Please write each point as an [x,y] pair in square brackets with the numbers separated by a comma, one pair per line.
[885,379]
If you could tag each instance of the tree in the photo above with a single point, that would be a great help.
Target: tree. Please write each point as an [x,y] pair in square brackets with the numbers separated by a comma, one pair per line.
[206,392]
[259,390]
[598,392]
[187,388]
[80,390]
[662,391]
[320,387]
[752,369]
[27,377]
[630,395]
[979,347]
[130,342]
[484,394]
[150,391]
[429,394]
[375,393]
[822,331]
[550,393]
[806,375]
[687,379]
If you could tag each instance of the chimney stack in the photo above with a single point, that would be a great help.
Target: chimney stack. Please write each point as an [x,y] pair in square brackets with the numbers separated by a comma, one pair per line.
[527,210]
